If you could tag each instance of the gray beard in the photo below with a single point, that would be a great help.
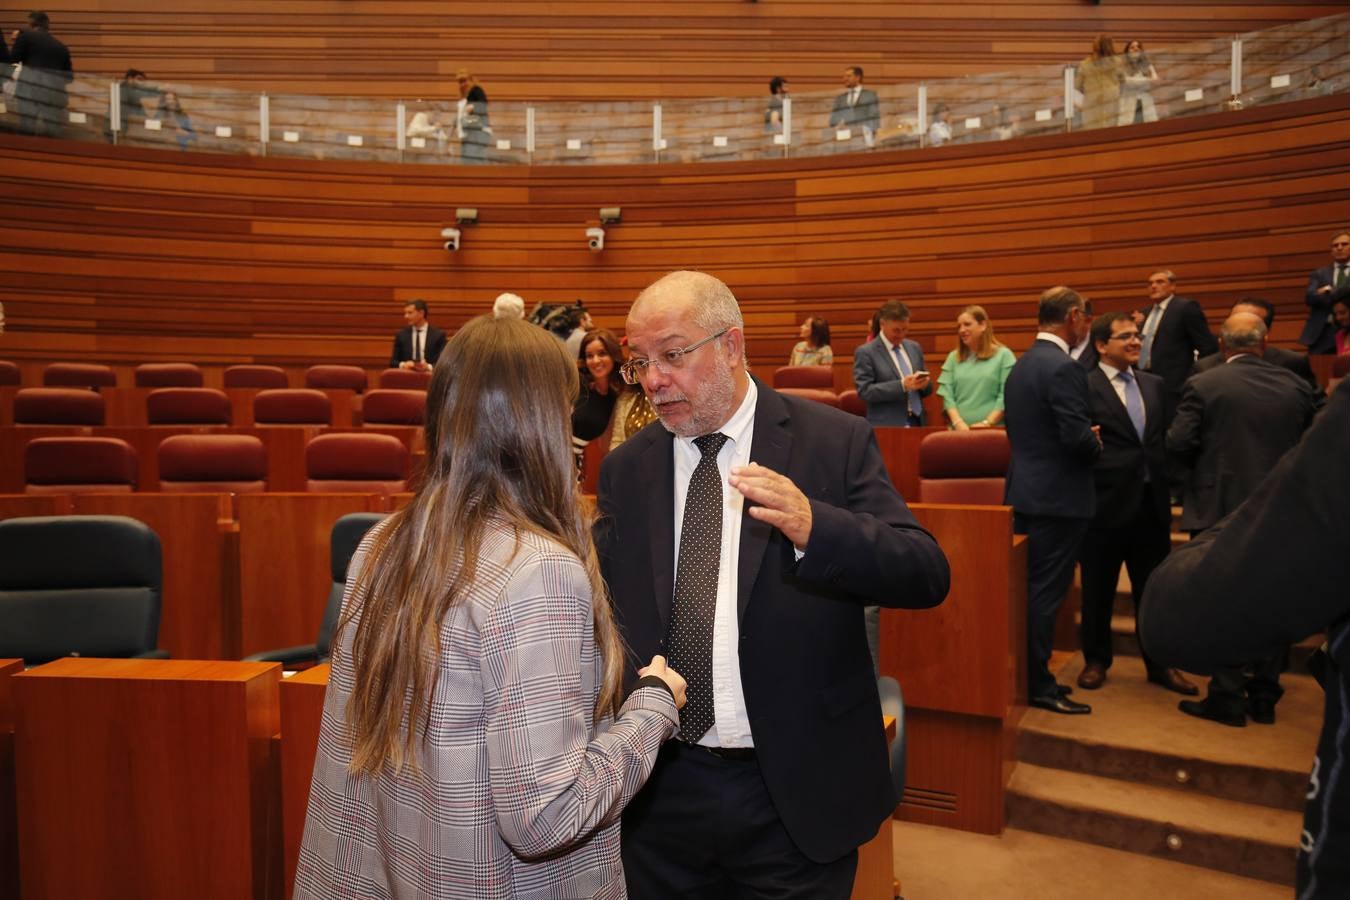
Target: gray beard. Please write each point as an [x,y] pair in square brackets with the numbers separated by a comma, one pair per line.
[712,410]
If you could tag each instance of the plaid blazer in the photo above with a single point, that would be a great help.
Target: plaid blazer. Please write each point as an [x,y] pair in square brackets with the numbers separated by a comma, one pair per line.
[519,793]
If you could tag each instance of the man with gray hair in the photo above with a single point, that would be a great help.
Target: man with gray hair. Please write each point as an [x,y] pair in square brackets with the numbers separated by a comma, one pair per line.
[508,305]
[743,538]
[1232,426]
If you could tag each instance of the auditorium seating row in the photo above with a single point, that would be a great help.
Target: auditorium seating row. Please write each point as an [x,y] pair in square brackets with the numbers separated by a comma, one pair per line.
[188,375]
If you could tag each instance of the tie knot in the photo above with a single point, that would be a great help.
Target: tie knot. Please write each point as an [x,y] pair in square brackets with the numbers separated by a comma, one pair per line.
[1125,375]
[710,442]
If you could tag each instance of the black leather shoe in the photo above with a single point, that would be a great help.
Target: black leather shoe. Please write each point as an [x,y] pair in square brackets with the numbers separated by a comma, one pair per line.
[1202,710]
[1092,677]
[1173,680]
[1059,704]
[1262,711]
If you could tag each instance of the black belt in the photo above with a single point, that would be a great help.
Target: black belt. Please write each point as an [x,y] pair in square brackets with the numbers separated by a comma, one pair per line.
[740,754]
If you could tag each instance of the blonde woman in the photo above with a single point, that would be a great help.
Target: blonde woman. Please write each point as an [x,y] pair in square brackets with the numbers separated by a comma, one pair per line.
[471,119]
[971,383]
[1098,77]
[474,742]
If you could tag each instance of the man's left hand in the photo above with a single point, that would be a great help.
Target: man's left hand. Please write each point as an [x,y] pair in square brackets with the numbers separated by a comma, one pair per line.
[778,501]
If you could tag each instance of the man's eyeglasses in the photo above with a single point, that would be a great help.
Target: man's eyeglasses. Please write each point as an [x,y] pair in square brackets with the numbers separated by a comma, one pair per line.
[635,370]
[1126,336]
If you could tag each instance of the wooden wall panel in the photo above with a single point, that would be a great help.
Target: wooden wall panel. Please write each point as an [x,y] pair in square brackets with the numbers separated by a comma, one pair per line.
[130,255]
[613,49]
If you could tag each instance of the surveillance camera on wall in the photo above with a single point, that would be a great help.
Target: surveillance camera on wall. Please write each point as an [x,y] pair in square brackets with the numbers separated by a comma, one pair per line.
[451,238]
[595,239]
[610,215]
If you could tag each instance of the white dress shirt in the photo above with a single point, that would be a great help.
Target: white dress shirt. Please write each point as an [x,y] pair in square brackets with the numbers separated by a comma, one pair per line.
[732,726]
[1054,339]
[1118,386]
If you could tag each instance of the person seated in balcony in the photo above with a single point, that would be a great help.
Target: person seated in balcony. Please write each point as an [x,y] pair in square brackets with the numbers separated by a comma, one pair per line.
[814,347]
[171,113]
[1136,86]
[971,383]
[940,132]
[424,124]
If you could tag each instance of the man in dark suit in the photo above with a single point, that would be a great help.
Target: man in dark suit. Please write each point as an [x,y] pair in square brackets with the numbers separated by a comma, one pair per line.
[420,344]
[41,91]
[1287,359]
[1132,525]
[1050,485]
[1325,286]
[1175,333]
[1233,425]
[1227,595]
[741,537]
[856,108]
[889,372]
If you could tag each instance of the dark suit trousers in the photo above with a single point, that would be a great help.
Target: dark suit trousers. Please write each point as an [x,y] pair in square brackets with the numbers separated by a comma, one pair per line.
[1053,544]
[705,827]
[1141,544]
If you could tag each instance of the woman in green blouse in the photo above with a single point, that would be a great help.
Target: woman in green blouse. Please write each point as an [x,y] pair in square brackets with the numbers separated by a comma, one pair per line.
[971,383]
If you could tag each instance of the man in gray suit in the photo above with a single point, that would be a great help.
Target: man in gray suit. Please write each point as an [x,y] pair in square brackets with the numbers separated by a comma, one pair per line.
[1232,426]
[856,108]
[889,372]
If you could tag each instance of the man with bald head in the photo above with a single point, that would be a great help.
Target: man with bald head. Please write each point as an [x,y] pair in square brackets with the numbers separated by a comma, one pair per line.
[1232,426]
[743,534]
[1288,359]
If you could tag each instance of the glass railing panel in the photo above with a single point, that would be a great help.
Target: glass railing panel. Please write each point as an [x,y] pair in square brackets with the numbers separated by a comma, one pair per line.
[717,130]
[995,107]
[1192,79]
[593,133]
[342,128]
[1294,62]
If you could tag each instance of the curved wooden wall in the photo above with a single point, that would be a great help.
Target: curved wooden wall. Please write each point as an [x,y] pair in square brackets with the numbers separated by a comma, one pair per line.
[138,255]
[610,49]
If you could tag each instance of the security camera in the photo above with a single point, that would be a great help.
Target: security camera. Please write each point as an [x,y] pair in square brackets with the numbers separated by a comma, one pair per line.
[610,215]
[451,238]
[595,239]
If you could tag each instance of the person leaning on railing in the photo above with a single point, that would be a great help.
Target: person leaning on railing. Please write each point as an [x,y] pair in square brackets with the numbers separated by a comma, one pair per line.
[1136,84]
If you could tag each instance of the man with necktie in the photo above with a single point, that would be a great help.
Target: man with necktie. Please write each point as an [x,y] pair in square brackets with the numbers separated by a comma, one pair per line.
[1174,333]
[1132,524]
[890,374]
[743,535]
[420,344]
[856,109]
[1325,286]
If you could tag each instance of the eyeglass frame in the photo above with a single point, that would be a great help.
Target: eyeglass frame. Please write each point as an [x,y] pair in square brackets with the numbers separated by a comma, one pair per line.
[632,372]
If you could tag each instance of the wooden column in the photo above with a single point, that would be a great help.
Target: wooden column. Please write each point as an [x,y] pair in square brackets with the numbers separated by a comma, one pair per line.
[301,710]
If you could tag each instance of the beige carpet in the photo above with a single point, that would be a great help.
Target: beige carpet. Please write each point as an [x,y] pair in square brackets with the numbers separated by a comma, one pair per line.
[935,863]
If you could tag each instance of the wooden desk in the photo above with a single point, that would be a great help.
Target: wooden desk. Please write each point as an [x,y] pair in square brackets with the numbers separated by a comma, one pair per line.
[283,563]
[961,666]
[900,453]
[17,506]
[9,815]
[301,710]
[199,616]
[147,778]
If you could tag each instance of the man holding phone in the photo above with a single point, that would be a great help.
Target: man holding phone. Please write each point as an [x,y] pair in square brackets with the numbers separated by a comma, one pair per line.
[890,374]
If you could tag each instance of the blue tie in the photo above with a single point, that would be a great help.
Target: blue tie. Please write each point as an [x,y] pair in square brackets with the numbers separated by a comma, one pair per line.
[906,370]
[1134,401]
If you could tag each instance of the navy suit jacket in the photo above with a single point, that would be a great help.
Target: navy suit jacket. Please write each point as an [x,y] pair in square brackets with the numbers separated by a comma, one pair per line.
[878,384]
[1182,334]
[1319,307]
[805,668]
[1125,460]
[403,348]
[1049,426]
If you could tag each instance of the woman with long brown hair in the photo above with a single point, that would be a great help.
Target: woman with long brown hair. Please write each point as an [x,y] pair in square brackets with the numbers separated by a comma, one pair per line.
[474,740]
[1098,77]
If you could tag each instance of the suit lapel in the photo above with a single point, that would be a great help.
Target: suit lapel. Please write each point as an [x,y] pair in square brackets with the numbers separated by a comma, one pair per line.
[1102,385]
[771,447]
[658,459]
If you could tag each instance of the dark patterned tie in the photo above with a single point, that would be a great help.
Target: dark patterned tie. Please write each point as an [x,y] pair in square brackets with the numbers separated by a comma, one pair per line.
[689,641]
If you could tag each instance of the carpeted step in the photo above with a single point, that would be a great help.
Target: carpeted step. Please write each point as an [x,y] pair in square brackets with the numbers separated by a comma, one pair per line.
[1241,838]
[1136,733]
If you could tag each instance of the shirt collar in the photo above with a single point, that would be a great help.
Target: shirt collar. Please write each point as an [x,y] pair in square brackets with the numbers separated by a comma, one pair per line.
[1110,370]
[890,348]
[740,422]
[1054,339]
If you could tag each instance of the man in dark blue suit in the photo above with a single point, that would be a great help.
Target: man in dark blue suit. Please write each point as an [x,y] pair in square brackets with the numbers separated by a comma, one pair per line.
[741,537]
[889,372]
[1325,286]
[1050,482]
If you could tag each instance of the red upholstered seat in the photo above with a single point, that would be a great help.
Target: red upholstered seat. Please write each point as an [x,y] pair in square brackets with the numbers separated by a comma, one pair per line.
[292,406]
[256,377]
[58,465]
[212,462]
[804,377]
[820,395]
[351,461]
[1340,367]
[389,407]
[964,467]
[57,406]
[78,375]
[405,379]
[351,378]
[849,401]
[168,375]
[9,374]
[188,406]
